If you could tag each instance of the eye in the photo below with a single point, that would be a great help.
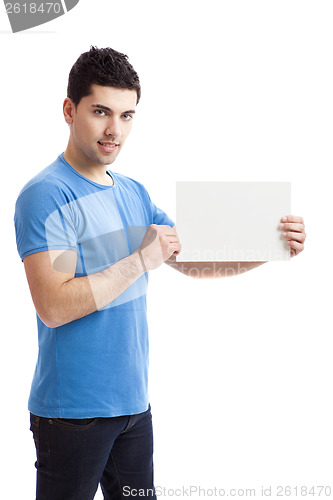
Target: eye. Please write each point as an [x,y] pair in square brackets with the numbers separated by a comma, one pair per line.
[127,117]
[100,112]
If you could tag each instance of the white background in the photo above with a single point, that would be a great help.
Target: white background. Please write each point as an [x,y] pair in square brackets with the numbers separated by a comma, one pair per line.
[241,368]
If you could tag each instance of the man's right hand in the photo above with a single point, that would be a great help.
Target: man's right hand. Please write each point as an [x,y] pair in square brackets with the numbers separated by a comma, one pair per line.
[158,244]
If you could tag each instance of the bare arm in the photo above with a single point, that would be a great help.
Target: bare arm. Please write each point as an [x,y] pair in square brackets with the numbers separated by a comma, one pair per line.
[211,269]
[59,297]
[294,233]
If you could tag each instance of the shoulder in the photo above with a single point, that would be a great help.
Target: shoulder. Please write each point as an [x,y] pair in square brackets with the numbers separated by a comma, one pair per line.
[125,180]
[128,183]
[48,186]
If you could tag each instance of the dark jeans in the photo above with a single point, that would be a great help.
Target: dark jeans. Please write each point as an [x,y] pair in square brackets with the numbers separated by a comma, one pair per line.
[74,456]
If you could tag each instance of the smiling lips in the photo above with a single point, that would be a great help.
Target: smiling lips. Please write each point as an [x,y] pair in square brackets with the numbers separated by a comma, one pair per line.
[108,147]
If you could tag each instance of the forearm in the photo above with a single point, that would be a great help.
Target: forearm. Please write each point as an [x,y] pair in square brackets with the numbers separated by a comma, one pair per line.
[84,295]
[60,297]
[212,269]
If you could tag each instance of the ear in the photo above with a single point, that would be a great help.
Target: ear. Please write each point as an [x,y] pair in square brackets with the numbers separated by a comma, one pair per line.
[68,110]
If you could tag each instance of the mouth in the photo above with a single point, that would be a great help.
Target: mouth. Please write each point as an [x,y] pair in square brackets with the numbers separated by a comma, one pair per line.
[108,147]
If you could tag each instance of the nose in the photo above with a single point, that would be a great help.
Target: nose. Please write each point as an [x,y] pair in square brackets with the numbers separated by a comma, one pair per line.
[113,127]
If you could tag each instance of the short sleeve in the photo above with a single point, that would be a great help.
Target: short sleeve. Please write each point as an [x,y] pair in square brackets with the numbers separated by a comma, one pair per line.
[160,217]
[44,220]
[157,215]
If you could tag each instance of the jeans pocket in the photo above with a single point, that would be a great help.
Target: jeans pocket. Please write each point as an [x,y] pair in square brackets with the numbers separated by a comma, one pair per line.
[78,424]
[35,429]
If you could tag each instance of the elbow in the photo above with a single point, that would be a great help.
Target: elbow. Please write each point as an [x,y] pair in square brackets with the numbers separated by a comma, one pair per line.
[50,323]
[50,316]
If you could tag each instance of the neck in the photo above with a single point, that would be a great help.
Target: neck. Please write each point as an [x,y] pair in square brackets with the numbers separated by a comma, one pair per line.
[94,172]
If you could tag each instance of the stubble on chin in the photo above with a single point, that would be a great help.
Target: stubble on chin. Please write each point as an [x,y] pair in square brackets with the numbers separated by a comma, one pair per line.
[103,159]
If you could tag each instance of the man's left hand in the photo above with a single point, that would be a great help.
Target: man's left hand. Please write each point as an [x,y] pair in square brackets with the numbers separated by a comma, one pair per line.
[294,231]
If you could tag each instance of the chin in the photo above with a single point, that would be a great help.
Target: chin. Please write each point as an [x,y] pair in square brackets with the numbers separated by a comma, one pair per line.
[105,160]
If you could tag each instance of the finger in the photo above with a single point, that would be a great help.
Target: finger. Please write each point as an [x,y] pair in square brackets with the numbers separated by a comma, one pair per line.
[293,227]
[175,246]
[164,228]
[294,236]
[174,243]
[292,218]
[293,252]
[169,239]
[176,251]
[167,230]
[172,249]
[296,246]
[172,233]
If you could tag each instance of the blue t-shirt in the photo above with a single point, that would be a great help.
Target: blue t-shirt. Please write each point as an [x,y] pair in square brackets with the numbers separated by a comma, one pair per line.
[96,365]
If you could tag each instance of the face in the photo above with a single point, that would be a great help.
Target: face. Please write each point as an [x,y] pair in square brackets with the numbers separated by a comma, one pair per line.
[100,124]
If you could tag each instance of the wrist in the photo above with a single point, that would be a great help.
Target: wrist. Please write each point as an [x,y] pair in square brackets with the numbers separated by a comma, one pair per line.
[142,261]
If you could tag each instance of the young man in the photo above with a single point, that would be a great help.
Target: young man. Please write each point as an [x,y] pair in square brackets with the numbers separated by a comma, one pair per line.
[87,237]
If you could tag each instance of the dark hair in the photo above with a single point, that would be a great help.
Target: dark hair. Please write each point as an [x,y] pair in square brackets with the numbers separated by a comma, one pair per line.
[105,67]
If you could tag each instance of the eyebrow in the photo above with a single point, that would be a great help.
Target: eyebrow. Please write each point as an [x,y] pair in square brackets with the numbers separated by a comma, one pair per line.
[105,108]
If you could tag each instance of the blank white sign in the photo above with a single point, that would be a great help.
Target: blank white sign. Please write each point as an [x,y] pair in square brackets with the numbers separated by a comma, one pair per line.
[232,221]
